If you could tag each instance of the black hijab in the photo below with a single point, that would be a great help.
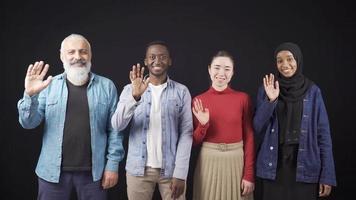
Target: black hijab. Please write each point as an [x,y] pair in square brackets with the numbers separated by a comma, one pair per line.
[292,93]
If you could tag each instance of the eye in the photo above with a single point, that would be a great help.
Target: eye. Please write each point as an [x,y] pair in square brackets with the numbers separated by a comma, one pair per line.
[152,57]
[70,52]
[84,51]
[279,61]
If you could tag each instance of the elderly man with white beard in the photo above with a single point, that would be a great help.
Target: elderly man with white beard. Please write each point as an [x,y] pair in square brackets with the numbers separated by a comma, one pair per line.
[80,148]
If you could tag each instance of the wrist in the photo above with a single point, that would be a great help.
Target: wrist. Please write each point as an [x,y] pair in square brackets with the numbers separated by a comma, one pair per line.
[29,93]
[271,100]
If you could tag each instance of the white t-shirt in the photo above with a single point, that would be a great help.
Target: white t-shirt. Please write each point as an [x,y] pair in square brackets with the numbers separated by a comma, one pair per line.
[154,133]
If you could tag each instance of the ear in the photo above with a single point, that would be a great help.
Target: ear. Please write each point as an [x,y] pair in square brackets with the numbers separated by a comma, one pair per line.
[145,62]
[61,56]
[209,69]
[169,62]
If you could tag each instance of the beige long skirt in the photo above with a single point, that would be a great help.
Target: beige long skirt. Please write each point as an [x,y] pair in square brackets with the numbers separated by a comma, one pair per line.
[218,172]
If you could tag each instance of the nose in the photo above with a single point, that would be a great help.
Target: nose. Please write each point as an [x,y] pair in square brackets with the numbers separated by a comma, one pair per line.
[284,64]
[77,55]
[158,60]
[221,72]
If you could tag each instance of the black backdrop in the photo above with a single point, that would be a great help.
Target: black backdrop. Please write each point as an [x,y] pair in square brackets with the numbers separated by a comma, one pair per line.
[118,32]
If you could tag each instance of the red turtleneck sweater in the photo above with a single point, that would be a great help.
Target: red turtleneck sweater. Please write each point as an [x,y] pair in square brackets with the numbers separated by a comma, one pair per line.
[230,121]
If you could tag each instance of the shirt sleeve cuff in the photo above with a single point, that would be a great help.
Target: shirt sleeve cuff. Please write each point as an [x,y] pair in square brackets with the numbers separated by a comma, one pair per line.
[180,173]
[112,166]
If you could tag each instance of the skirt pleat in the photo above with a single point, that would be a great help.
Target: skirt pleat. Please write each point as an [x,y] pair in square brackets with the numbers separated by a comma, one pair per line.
[218,172]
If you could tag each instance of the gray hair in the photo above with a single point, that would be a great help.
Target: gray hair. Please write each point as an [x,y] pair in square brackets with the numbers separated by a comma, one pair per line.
[74,36]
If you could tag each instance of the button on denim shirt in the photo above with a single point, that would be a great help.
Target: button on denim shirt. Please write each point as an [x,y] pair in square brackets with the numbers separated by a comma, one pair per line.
[177,129]
[50,106]
[315,163]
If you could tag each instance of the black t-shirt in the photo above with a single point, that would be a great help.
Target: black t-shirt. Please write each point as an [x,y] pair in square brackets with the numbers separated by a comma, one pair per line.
[76,147]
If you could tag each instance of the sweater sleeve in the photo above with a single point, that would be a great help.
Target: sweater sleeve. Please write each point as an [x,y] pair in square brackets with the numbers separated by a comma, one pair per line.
[199,131]
[248,140]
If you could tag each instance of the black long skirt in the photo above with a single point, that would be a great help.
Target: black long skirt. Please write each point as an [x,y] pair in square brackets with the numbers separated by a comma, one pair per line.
[285,186]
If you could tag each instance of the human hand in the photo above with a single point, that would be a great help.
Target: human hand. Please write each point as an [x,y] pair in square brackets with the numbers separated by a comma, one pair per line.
[201,113]
[324,190]
[139,84]
[34,82]
[109,179]
[247,187]
[177,187]
[271,87]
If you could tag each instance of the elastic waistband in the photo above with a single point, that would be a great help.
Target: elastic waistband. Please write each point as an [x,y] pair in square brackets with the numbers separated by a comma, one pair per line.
[223,146]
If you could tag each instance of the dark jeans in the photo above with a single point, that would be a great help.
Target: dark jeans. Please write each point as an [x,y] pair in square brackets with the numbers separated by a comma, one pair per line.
[82,182]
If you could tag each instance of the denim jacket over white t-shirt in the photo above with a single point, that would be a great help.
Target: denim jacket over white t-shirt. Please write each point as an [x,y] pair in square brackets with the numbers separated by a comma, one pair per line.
[177,129]
[50,105]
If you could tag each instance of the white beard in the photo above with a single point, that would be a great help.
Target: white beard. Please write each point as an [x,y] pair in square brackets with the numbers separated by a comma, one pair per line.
[77,75]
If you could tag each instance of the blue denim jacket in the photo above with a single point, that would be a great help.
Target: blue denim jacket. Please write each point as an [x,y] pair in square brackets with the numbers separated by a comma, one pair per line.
[177,129]
[315,163]
[50,105]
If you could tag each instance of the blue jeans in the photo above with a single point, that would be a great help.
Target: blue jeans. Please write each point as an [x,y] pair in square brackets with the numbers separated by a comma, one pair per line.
[82,182]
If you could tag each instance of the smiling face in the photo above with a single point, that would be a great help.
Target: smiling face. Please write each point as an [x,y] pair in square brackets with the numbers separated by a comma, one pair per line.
[75,52]
[76,57]
[157,60]
[286,63]
[221,70]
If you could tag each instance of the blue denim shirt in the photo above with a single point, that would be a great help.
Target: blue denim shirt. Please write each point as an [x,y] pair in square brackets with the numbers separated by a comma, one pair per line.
[177,129]
[50,106]
[315,163]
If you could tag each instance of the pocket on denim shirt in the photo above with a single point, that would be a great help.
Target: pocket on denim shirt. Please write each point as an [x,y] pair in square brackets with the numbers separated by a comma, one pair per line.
[52,109]
[173,107]
[101,109]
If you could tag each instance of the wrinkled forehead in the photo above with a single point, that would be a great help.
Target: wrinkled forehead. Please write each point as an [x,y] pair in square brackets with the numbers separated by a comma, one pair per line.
[76,43]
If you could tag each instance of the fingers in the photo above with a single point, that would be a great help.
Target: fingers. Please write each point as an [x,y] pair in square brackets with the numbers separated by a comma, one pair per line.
[136,72]
[173,188]
[179,191]
[142,70]
[324,190]
[108,182]
[34,68]
[277,85]
[198,105]
[131,76]
[44,71]
[29,70]
[146,81]
[133,73]
[47,81]
[271,79]
[39,68]
[243,188]
[194,108]
[265,81]
[105,182]
[176,191]
[247,187]
[138,67]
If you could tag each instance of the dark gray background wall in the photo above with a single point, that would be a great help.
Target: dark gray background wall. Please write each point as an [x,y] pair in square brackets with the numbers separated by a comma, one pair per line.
[118,32]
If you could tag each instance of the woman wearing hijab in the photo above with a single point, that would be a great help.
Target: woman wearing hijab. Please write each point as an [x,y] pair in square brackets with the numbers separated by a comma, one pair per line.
[223,125]
[295,159]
